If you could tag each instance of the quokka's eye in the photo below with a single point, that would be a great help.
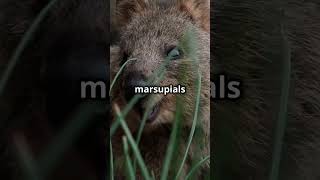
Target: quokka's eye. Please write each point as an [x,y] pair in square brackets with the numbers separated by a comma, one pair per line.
[174,53]
[125,57]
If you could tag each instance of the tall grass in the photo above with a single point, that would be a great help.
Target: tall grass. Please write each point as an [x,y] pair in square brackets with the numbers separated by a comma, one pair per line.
[128,159]
[193,128]
[111,175]
[22,45]
[28,162]
[195,167]
[133,144]
[281,124]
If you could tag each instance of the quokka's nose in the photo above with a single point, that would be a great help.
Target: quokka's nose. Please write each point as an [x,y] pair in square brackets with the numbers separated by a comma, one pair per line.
[132,81]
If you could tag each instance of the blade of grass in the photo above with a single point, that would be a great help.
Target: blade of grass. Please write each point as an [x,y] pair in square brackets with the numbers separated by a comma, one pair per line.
[118,74]
[173,140]
[283,109]
[133,145]
[195,167]
[22,45]
[28,163]
[143,122]
[153,176]
[111,162]
[124,112]
[131,172]
[194,123]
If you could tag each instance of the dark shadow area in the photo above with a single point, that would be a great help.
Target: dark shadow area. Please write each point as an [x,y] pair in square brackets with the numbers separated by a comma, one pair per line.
[47,130]
[271,131]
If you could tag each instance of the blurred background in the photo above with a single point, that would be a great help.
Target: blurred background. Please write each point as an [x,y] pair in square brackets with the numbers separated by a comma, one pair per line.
[46,49]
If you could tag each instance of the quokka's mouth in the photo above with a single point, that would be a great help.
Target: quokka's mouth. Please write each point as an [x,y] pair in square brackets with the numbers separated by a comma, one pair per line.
[153,111]
[153,114]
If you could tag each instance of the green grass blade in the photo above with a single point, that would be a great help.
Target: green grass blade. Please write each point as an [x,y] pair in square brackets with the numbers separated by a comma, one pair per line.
[111,162]
[194,123]
[124,113]
[143,122]
[22,45]
[153,176]
[28,163]
[195,167]
[283,109]
[173,140]
[131,172]
[118,74]
[134,146]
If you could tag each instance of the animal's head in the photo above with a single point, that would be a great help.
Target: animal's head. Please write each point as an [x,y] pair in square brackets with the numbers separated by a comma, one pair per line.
[154,33]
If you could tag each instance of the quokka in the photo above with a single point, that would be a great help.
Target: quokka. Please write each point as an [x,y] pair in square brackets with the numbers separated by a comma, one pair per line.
[150,31]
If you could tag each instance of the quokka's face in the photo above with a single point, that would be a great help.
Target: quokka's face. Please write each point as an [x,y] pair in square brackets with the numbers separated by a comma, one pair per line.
[149,42]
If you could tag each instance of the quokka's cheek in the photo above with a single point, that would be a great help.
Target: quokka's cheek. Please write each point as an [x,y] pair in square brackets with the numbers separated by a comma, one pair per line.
[167,82]
[167,109]
[166,117]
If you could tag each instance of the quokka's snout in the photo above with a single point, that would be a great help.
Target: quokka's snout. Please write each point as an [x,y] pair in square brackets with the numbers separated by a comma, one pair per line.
[131,81]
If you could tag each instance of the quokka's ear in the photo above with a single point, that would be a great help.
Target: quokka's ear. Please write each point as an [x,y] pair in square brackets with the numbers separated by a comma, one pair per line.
[125,9]
[198,10]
